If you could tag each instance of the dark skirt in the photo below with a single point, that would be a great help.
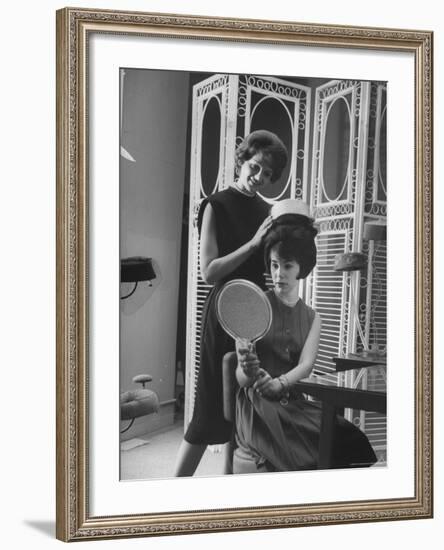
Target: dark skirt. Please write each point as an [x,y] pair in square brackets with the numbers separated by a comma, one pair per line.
[286,437]
[208,424]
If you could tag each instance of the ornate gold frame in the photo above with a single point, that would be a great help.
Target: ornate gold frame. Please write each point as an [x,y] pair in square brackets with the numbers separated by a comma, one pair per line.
[73,519]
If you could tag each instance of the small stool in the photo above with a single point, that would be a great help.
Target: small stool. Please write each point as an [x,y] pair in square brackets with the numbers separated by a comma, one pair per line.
[135,403]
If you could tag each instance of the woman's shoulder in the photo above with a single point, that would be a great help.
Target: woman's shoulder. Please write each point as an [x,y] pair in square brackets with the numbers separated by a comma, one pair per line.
[216,200]
[302,310]
[225,194]
[307,313]
[221,199]
[306,308]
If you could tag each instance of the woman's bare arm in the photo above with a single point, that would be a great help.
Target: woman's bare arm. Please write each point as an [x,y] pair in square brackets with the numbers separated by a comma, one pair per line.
[308,353]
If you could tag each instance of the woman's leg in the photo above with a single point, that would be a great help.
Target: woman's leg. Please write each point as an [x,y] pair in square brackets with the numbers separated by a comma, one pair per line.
[228,458]
[229,448]
[188,458]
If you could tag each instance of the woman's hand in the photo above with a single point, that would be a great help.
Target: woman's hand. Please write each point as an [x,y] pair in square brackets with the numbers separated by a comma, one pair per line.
[260,233]
[213,267]
[268,387]
[247,360]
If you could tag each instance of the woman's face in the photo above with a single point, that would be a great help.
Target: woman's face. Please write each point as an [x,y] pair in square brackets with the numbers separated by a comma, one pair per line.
[255,173]
[284,273]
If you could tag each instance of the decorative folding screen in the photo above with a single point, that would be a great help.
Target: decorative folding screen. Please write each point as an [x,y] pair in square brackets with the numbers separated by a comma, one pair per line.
[337,197]
[348,187]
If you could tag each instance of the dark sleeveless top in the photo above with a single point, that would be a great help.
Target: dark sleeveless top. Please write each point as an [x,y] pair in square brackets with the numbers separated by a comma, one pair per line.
[238,217]
[281,347]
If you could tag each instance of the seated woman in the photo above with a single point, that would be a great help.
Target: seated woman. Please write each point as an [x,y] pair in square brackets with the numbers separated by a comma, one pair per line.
[277,429]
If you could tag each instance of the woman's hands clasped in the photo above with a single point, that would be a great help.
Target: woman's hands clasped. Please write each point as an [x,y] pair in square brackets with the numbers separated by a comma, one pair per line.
[268,387]
[259,379]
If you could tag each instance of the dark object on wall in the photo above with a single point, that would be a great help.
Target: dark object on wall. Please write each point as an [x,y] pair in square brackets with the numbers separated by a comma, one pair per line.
[350,261]
[135,269]
[375,230]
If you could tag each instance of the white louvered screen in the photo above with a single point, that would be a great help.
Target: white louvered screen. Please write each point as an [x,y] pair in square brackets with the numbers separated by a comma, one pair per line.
[374,315]
[203,290]
[376,309]
[327,300]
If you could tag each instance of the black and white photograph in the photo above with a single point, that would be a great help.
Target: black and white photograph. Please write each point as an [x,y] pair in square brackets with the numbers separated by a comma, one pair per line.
[253,273]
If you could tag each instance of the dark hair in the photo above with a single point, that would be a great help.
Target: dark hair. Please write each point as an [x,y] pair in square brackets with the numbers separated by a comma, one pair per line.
[267,143]
[295,240]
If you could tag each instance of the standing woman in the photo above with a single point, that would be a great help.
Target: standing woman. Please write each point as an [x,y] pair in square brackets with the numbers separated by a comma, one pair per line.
[232,224]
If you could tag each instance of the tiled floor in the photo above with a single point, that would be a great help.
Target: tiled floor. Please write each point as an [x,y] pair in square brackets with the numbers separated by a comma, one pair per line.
[154,456]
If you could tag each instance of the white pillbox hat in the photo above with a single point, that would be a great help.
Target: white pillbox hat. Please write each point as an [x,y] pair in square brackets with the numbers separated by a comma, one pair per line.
[290,206]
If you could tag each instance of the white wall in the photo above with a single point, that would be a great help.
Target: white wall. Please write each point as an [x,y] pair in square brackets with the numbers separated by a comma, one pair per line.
[154,125]
[28,275]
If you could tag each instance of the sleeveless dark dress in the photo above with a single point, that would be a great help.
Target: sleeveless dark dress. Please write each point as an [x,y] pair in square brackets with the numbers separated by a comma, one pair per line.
[237,219]
[285,437]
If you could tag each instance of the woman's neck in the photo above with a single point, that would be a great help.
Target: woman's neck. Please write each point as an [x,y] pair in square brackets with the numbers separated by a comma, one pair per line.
[290,298]
[241,190]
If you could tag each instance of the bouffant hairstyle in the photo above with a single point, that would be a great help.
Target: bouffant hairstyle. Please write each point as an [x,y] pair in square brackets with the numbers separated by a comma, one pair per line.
[269,145]
[294,235]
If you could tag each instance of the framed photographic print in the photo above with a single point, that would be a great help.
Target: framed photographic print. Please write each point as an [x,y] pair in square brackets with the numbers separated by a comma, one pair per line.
[193,152]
